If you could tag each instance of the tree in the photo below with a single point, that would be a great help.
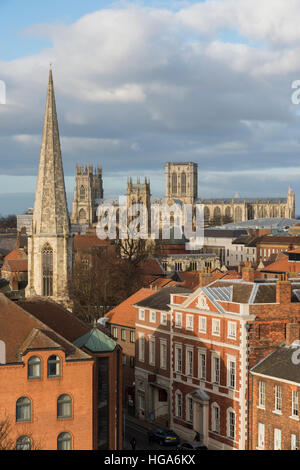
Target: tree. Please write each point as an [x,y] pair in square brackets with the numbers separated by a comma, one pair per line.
[6,440]
[100,281]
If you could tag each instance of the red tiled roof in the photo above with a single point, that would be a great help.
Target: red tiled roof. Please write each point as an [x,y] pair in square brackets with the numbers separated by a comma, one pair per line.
[87,242]
[16,265]
[125,314]
[16,254]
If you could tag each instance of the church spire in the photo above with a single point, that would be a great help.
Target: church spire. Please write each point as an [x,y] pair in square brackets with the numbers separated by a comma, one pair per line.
[50,213]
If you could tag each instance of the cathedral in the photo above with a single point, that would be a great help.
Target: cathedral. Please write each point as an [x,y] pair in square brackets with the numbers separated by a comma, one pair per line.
[181,186]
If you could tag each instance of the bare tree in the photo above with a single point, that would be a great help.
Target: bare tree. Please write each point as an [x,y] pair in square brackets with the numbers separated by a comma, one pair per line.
[8,443]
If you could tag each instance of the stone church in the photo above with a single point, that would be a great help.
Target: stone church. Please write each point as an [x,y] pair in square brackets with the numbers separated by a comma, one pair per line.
[50,242]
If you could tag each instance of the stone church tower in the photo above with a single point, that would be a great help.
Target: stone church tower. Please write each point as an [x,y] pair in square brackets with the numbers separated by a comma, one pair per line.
[139,193]
[50,242]
[88,188]
[181,182]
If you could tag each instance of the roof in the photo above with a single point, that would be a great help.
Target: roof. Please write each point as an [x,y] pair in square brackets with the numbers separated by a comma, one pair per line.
[20,331]
[88,242]
[280,364]
[16,265]
[125,313]
[161,299]
[224,233]
[272,222]
[96,341]
[18,253]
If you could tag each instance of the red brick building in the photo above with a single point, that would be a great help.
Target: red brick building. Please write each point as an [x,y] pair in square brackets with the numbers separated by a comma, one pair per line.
[57,371]
[121,325]
[213,336]
[274,422]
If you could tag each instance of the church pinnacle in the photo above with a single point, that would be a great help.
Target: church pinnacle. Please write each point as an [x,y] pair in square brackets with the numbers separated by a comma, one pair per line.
[50,207]
[50,242]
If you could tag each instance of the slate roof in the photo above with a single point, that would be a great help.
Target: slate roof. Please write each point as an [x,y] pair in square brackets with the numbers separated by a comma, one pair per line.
[280,364]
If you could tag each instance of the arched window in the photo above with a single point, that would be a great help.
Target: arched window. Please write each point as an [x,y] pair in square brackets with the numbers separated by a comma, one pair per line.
[82,193]
[64,406]
[183,183]
[23,409]
[228,212]
[54,366]
[34,367]
[64,441]
[47,270]
[206,214]
[174,183]
[82,215]
[217,214]
[238,214]
[23,443]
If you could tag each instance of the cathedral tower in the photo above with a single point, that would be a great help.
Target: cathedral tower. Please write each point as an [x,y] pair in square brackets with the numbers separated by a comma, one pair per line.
[181,182]
[50,241]
[88,188]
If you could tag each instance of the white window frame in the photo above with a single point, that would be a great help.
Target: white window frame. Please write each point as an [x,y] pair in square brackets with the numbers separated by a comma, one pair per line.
[277,439]
[163,318]
[231,329]
[163,357]
[262,394]
[178,404]
[152,350]
[215,420]
[189,353]
[141,314]
[202,364]
[115,332]
[231,360]
[294,442]
[216,331]
[189,322]
[231,412]
[152,316]
[142,342]
[215,377]
[178,320]
[202,324]
[261,436]
[295,403]
[278,399]
[178,369]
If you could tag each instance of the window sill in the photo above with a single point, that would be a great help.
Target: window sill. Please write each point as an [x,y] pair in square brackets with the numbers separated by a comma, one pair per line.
[296,418]
[276,412]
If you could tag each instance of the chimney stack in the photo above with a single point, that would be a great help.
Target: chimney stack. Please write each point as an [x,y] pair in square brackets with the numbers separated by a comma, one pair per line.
[205,278]
[283,290]
[292,333]
[248,273]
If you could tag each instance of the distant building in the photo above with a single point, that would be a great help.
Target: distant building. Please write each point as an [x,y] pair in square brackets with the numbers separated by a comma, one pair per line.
[24,221]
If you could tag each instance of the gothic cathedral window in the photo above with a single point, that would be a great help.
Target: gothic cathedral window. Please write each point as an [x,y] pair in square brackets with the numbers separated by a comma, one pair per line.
[47,269]
[82,193]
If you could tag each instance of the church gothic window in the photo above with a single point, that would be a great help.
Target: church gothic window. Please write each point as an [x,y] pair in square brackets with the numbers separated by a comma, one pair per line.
[47,270]
[174,183]
[82,193]
[183,183]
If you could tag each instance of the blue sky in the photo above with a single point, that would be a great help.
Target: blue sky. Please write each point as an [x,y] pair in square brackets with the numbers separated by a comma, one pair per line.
[141,83]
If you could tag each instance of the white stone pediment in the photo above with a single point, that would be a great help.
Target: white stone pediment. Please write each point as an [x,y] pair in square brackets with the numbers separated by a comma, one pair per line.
[202,302]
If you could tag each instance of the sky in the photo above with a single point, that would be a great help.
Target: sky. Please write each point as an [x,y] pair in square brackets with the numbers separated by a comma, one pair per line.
[141,83]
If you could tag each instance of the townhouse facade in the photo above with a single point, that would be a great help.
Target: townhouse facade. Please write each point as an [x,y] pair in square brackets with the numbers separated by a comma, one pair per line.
[215,335]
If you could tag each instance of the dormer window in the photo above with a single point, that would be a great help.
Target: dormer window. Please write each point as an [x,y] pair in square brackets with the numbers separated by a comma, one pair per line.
[54,366]
[34,368]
